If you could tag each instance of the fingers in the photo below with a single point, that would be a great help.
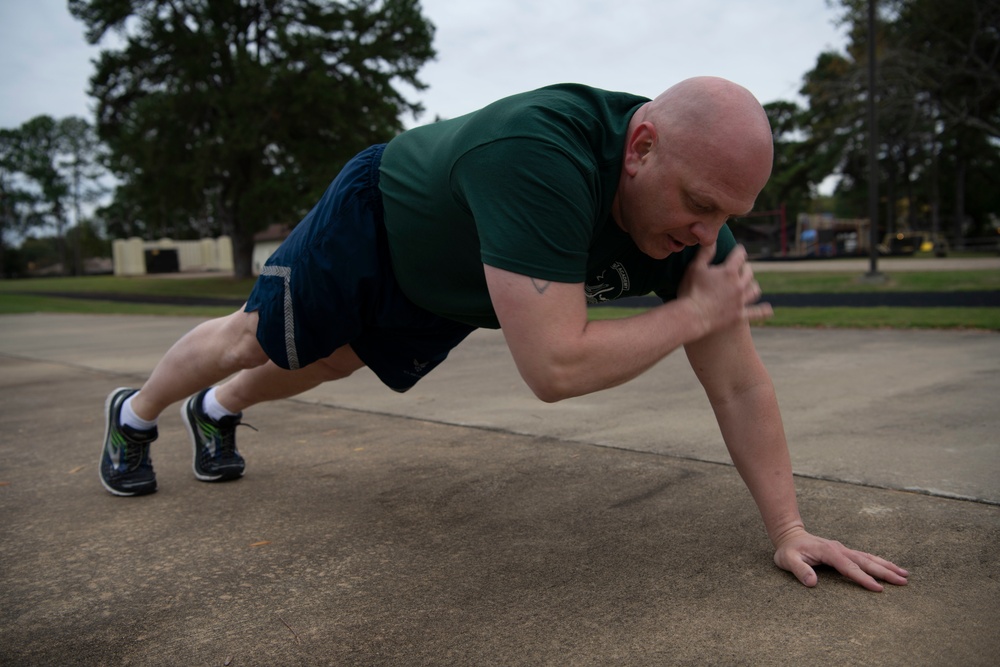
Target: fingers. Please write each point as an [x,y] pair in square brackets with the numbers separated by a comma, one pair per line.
[759,311]
[727,293]
[839,561]
[795,562]
[738,256]
[706,254]
[880,568]
[805,574]
[745,273]
[754,311]
[856,573]
[751,288]
[862,568]
[865,568]
[892,567]
[739,261]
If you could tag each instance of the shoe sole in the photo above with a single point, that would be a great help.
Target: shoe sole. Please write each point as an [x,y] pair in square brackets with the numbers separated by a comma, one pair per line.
[107,431]
[201,477]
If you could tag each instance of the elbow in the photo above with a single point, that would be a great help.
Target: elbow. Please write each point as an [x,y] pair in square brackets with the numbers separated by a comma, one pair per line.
[549,394]
[551,386]
[556,372]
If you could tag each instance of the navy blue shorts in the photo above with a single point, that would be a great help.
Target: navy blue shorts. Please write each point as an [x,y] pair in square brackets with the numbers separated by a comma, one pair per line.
[331,283]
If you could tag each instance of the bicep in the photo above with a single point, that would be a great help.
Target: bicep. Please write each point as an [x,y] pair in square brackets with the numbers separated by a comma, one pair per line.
[540,319]
[533,310]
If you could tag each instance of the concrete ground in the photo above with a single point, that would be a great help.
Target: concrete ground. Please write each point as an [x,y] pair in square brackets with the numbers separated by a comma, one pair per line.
[466,523]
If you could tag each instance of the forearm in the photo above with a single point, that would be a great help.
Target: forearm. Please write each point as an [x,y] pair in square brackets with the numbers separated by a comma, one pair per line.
[559,353]
[752,429]
[607,353]
[746,408]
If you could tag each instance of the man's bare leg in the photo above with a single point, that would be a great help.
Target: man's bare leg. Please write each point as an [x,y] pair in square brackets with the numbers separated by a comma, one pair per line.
[270,382]
[213,435]
[207,354]
[216,349]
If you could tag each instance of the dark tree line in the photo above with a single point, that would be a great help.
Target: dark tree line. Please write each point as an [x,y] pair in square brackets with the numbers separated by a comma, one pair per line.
[49,171]
[938,102]
[226,117]
[223,117]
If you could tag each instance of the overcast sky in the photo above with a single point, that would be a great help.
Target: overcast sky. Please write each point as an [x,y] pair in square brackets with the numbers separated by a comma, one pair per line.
[491,48]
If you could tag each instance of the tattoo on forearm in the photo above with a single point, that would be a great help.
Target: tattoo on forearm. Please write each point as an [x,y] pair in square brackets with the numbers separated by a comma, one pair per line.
[540,285]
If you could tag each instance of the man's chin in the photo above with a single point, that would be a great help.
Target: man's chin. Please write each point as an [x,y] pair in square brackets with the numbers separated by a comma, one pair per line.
[658,253]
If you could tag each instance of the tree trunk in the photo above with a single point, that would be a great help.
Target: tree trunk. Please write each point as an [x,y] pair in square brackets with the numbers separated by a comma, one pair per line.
[936,200]
[960,170]
[78,240]
[890,202]
[242,254]
[911,199]
[61,247]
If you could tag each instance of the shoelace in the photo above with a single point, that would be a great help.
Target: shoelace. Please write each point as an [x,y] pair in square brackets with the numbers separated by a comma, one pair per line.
[227,446]
[135,452]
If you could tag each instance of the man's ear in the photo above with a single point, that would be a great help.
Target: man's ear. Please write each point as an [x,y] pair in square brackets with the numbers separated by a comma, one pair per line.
[640,143]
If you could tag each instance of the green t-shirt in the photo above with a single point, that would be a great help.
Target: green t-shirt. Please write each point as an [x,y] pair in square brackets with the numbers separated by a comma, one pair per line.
[526,185]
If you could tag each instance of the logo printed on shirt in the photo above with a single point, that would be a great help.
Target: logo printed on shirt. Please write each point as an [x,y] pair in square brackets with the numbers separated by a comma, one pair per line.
[608,285]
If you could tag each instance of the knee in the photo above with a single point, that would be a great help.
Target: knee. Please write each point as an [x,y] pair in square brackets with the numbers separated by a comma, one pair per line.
[243,349]
[248,354]
[339,365]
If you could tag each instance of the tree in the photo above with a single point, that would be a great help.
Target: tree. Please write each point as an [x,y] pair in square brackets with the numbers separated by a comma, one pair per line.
[36,190]
[15,201]
[236,115]
[951,50]
[803,157]
[938,96]
[48,167]
[80,162]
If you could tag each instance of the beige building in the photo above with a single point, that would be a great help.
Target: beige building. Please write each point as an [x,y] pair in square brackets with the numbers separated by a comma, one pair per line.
[135,257]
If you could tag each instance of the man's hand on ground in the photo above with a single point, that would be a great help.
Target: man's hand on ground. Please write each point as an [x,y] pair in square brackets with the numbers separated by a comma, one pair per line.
[799,551]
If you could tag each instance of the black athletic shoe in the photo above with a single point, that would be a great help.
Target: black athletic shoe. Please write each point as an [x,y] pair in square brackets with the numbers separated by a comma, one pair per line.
[126,469]
[215,456]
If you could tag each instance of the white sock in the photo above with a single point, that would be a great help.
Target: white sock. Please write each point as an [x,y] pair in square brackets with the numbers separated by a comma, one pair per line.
[129,418]
[215,410]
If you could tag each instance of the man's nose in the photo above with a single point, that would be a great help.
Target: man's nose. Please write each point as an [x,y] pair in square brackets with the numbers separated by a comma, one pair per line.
[706,231]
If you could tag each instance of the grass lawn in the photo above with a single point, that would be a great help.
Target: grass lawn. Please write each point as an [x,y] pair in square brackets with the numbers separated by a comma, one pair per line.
[36,295]
[859,318]
[32,303]
[839,282]
[215,287]
[869,318]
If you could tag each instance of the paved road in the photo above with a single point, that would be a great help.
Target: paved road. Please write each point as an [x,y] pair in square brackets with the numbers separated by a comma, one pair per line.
[465,523]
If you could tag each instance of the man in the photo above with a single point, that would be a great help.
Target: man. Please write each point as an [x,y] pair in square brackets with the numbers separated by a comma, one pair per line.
[512,217]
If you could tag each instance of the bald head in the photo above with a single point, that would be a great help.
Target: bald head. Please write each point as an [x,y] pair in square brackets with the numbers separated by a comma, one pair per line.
[715,119]
[705,101]
[695,156]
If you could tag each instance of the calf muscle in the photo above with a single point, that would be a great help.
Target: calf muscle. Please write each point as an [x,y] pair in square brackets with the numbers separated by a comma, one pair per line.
[207,354]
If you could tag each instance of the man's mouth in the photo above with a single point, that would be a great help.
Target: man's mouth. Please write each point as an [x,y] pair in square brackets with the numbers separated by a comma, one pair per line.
[673,245]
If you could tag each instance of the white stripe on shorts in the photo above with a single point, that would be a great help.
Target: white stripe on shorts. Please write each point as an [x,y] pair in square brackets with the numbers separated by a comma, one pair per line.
[285,272]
